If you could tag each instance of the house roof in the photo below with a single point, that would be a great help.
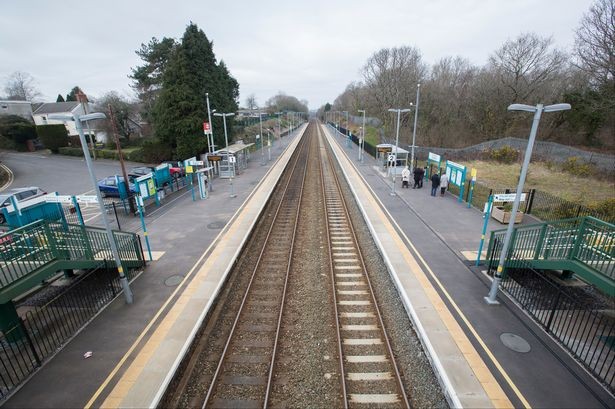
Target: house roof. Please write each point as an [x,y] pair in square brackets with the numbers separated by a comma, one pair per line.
[55,107]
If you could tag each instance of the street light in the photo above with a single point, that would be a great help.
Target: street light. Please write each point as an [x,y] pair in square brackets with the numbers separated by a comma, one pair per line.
[262,138]
[416,115]
[362,141]
[211,126]
[279,114]
[347,130]
[537,110]
[228,157]
[88,161]
[399,111]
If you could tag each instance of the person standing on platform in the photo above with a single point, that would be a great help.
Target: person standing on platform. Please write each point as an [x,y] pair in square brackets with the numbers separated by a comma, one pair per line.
[405,177]
[422,172]
[417,177]
[435,182]
[443,183]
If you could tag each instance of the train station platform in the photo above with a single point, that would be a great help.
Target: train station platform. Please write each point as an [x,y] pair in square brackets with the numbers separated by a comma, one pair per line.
[442,234]
[181,245]
[134,346]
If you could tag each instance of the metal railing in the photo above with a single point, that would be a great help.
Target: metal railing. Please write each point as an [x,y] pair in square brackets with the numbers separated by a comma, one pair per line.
[576,318]
[42,331]
[28,248]
[585,239]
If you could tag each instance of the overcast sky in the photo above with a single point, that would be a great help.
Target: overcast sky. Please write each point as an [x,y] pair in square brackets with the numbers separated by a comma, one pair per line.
[309,49]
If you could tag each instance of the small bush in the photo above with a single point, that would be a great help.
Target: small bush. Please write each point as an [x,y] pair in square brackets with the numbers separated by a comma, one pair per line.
[70,151]
[53,137]
[605,208]
[505,154]
[576,167]
[155,151]
[136,155]
[6,143]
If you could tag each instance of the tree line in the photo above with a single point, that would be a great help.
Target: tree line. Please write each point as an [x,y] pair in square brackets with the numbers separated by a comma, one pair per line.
[462,104]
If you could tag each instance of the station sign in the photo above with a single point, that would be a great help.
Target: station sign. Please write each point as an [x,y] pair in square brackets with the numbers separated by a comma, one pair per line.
[385,149]
[214,158]
[58,199]
[87,199]
[206,128]
[434,157]
[391,158]
[232,159]
[507,197]
[144,177]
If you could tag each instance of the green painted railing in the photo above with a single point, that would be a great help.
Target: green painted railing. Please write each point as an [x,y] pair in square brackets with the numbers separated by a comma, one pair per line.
[32,247]
[586,240]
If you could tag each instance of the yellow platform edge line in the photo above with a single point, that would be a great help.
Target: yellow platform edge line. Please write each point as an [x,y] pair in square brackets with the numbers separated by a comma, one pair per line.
[480,369]
[115,402]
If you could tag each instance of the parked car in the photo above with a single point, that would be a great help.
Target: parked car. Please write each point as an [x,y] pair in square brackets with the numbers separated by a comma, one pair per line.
[175,169]
[21,194]
[108,186]
[141,170]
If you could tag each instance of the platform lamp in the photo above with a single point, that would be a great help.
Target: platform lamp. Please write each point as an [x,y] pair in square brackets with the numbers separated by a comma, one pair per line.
[88,161]
[279,114]
[347,130]
[537,110]
[228,157]
[399,111]
[262,137]
[362,147]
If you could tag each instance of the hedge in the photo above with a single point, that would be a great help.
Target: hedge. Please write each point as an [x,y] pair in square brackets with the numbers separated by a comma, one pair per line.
[135,155]
[53,137]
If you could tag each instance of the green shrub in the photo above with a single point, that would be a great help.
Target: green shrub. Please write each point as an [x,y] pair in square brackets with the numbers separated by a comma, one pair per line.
[505,154]
[53,137]
[605,208]
[155,151]
[136,155]
[6,143]
[576,167]
[70,151]
[18,130]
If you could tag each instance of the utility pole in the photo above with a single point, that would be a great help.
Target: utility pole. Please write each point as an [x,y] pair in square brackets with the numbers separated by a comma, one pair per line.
[131,203]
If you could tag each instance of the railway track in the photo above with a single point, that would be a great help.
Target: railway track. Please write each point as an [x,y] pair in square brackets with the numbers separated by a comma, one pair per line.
[370,375]
[247,354]
[244,372]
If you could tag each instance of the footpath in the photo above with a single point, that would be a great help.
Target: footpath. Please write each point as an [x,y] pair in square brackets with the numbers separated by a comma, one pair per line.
[180,237]
[443,234]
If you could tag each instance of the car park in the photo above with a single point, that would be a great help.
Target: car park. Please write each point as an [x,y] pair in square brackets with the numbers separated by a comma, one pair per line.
[175,169]
[21,195]
[108,186]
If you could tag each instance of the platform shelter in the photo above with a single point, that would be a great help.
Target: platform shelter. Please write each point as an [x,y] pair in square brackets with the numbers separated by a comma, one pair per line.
[240,152]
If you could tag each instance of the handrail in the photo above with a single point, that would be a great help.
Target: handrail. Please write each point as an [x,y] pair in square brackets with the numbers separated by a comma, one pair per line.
[33,246]
[586,240]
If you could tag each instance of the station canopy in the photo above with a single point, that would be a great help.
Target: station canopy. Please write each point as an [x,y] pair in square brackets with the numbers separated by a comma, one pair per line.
[400,150]
[235,148]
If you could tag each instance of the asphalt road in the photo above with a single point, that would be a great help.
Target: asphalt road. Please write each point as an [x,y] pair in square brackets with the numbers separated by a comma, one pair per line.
[66,175]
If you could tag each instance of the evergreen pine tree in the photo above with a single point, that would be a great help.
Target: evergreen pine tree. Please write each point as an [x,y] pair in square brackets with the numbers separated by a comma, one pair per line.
[60,98]
[181,108]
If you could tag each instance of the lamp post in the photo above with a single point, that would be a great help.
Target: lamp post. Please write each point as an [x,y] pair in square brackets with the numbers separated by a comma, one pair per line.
[416,115]
[362,146]
[279,114]
[399,111]
[269,132]
[347,130]
[537,110]
[88,161]
[228,157]
[211,127]
[262,138]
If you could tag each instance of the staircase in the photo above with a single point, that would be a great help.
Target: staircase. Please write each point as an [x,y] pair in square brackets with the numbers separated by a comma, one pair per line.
[37,251]
[584,246]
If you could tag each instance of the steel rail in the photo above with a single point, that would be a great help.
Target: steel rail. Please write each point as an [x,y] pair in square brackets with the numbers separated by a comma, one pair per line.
[247,292]
[337,322]
[371,290]
[290,258]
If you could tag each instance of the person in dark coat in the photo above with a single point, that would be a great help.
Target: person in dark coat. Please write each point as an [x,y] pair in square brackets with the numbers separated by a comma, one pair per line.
[417,177]
[435,182]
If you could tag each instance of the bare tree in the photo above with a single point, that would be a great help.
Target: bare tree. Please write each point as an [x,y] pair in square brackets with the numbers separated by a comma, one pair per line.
[21,86]
[251,102]
[595,43]
[526,66]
